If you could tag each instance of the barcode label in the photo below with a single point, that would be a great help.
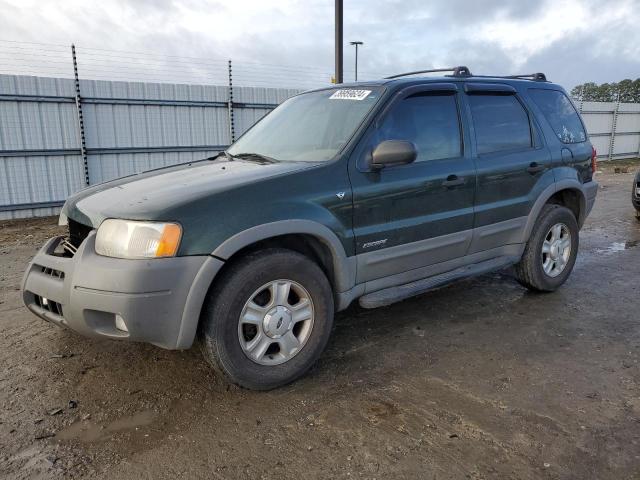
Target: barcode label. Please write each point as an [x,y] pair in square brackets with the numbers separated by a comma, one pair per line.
[350,94]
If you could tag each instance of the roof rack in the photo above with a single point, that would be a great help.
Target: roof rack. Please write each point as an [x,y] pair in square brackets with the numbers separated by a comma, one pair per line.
[538,77]
[460,71]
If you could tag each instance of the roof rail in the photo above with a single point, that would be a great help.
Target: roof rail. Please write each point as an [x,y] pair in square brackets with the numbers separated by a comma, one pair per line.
[460,71]
[538,77]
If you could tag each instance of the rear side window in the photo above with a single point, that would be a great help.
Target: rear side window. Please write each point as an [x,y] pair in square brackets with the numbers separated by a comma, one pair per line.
[561,115]
[429,121]
[500,122]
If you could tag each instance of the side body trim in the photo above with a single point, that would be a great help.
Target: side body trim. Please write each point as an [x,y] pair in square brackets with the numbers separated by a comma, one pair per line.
[497,234]
[514,251]
[400,258]
[391,295]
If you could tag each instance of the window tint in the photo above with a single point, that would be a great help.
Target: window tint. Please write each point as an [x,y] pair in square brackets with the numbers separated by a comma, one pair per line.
[429,121]
[500,122]
[561,115]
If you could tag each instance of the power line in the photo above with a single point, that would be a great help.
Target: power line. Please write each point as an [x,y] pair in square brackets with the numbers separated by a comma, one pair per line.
[35,43]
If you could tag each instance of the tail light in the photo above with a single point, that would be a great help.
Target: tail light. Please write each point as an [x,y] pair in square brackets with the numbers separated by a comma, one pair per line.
[594,160]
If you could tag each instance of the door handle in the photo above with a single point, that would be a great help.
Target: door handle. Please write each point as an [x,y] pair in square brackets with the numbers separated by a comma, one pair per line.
[453,181]
[535,167]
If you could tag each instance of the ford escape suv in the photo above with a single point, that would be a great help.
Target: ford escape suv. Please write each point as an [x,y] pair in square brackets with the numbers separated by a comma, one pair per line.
[374,191]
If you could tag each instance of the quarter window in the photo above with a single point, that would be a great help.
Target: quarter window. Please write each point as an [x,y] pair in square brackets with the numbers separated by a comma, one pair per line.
[500,122]
[430,121]
[561,115]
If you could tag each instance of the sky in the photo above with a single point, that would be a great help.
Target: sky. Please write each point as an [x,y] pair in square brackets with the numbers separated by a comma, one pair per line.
[572,41]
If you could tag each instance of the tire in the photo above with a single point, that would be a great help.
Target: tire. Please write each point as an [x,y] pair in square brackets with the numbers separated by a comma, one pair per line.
[530,271]
[226,338]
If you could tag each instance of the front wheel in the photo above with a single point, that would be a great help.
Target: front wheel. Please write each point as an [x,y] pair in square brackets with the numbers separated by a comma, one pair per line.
[267,319]
[551,251]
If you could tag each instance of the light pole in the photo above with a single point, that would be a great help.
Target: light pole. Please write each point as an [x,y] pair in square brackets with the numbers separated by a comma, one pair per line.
[356,45]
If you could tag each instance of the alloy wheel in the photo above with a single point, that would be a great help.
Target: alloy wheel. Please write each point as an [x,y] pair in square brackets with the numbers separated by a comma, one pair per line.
[276,322]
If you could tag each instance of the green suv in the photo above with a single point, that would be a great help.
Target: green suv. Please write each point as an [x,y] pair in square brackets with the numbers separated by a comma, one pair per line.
[375,191]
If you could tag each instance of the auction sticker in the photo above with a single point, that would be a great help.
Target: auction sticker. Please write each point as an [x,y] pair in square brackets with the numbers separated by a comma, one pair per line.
[350,94]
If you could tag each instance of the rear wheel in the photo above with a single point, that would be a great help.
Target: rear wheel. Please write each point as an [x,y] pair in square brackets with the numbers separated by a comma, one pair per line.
[551,251]
[267,319]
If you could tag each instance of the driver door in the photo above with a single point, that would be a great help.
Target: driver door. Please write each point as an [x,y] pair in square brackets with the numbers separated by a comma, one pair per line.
[411,216]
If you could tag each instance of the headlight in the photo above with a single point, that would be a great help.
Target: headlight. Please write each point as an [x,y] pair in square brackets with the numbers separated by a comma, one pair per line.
[130,239]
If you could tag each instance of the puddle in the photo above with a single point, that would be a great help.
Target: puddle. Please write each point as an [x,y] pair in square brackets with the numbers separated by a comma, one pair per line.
[86,431]
[619,246]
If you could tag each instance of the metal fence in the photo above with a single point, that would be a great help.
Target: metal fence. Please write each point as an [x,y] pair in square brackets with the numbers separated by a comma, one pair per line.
[58,135]
[614,128]
[55,139]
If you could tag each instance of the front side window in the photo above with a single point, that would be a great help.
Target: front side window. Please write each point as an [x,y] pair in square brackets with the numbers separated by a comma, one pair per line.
[429,121]
[560,113]
[312,127]
[500,122]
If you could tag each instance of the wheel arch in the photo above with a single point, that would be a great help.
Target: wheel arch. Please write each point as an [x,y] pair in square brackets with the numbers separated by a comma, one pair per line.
[304,236]
[569,193]
[571,198]
[317,240]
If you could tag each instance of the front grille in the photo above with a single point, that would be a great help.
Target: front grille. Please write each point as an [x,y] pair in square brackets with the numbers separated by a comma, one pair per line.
[64,248]
[53,272]
[77,233]
[49,305]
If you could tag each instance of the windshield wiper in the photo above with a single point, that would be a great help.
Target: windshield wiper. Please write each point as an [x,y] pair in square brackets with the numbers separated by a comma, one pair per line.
[255,156]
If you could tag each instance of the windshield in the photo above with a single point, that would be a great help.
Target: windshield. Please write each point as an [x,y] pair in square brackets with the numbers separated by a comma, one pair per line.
[312,127]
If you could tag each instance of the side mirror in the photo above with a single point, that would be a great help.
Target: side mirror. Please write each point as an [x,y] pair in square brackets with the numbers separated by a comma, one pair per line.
[393,152]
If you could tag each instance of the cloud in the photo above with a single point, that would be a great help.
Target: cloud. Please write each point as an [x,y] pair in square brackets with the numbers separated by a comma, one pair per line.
[573,41]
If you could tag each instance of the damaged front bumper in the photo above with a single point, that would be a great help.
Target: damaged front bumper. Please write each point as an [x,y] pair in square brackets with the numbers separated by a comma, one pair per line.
[156,301]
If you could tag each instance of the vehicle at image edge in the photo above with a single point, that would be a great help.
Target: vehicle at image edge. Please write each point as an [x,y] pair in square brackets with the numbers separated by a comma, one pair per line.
[635,194]
[374,191]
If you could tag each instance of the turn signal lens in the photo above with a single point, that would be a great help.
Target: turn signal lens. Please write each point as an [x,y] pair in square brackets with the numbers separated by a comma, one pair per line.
[169,241]
[133,239]
[594,161]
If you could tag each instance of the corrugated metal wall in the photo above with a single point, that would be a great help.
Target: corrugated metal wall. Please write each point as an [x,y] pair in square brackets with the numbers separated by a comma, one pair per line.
[27,128]
[614,128]
[129,127]
[136,126]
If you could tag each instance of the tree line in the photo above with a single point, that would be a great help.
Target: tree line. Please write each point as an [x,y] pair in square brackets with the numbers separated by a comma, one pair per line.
[627,91]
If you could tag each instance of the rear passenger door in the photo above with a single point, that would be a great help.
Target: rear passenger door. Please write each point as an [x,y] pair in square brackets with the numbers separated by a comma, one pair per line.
[512,164]
[411,216]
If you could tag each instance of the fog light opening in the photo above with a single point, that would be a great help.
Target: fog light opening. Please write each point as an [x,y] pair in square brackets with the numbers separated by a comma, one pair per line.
[120,325]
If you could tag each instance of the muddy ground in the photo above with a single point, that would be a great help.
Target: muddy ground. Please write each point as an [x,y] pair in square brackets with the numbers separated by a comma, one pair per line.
[481,379]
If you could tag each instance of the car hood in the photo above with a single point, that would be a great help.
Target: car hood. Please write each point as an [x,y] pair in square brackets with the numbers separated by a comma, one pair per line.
[153,194]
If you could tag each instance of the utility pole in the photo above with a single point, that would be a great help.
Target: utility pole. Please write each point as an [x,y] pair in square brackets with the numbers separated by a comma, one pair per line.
[339,76]
[356,45]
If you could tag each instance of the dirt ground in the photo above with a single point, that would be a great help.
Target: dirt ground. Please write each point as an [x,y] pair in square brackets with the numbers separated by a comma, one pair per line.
[478,380]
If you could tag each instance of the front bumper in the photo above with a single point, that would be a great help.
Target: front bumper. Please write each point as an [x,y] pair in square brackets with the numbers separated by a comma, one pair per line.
[159,300]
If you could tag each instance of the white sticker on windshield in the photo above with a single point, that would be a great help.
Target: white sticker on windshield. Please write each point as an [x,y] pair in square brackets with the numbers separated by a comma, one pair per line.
[350,94]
